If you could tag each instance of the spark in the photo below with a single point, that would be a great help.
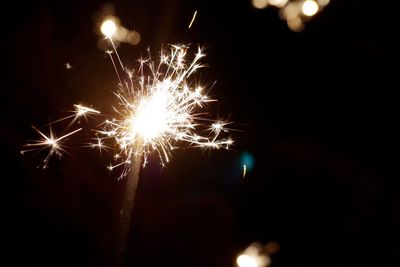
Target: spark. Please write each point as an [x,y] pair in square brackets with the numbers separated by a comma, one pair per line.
[77,113]
[193,18]
[51,142]
[98,144]
[244,170]
[159,109]
[82,111]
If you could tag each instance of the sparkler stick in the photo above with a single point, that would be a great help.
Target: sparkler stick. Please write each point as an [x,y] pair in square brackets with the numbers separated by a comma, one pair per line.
[127,207]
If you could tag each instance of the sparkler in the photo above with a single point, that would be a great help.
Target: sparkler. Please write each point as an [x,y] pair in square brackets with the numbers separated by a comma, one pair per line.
[159,108]
[158,111]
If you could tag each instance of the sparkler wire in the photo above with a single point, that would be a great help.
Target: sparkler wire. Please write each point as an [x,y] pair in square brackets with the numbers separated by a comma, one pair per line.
[127,207]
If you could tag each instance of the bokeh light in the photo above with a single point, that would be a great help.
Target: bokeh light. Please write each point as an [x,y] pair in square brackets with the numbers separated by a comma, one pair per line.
[246,261]
[247,159]
[323,2]
[295,24]
[309,8]
[111,28]
[295,12]
[253,256]
[277,3]
[108,28]
[260,4]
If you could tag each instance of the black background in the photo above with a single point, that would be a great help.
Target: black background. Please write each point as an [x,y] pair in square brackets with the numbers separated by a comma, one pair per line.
[317,110]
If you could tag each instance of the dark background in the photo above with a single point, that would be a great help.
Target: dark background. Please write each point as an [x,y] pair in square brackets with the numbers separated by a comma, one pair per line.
[317,110]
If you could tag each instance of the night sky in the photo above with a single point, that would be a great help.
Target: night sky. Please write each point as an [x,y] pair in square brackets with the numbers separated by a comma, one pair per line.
[314,112]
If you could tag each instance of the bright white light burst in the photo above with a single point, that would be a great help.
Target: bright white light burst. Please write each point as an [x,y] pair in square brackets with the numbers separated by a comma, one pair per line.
[159,108]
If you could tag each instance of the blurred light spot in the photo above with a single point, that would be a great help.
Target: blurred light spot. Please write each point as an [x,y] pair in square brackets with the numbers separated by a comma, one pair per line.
[323,2]
[295,12]
[260,4]
[295,24]
[271,247]
[126,36]
[277,3]
[68,66]
[134,38]
[108,28]
[290,11]
[247,160]
[309,8]
[111,28]
[246,261]
[253,256]
[244,170]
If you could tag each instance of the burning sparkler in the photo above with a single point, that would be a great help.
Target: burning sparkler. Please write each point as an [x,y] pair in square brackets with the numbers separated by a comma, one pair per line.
[158,109]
